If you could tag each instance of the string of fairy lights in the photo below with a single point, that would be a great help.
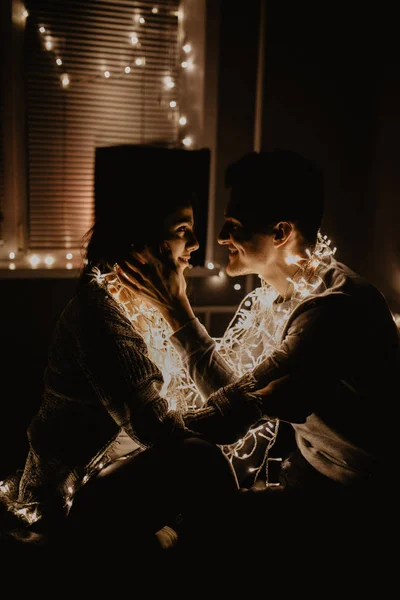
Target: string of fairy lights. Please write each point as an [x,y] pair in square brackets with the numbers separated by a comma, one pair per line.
[251,336]
[253,333]
[182,62]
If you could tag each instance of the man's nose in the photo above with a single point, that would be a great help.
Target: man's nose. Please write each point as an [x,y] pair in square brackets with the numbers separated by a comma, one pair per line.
[223,237]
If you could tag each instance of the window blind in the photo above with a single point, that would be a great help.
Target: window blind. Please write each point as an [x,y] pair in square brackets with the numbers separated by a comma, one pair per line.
[1,168]
[98,73]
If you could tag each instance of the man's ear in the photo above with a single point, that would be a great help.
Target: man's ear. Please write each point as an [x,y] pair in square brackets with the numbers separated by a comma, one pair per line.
[282,232]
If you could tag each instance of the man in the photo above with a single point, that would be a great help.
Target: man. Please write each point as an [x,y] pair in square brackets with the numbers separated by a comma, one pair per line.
[333,369]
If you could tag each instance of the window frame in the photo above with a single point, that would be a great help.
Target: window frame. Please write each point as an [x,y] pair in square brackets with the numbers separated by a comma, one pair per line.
[16,202]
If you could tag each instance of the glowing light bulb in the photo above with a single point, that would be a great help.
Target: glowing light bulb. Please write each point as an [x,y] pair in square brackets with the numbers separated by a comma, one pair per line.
[140,62]
[182,121]
[59,61]
[11,266]
[69,255]
[292,259]
[237,286]
[154,10]
[142,20]
[25,14]
[187,141]
[65,80]
[184,64]
[68,266]
[11,255]
[127,69]
[187,48]
[42,29]
[210,265]
[34,260]
[49,261]
[134,39]
[172,104]
[168,82]
[48,45]
[107,74]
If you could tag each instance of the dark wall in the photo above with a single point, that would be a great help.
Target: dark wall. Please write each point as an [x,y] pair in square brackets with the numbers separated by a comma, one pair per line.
[237,79]
[29,310]
[332,92]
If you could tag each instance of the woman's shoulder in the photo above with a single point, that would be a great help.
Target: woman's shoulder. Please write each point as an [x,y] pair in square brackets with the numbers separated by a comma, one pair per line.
[98,310]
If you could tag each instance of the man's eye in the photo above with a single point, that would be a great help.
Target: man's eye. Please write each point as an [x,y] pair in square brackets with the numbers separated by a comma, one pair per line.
[182,229]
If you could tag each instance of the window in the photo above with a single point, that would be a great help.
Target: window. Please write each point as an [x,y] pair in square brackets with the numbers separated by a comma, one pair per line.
[92,74]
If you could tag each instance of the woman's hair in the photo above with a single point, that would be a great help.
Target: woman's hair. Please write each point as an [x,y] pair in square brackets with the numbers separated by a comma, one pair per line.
[268,187]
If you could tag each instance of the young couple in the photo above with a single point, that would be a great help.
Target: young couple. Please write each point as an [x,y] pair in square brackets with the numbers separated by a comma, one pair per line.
[109,454]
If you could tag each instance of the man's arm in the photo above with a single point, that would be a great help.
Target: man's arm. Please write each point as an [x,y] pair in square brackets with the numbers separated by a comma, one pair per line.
[314,350]
[199,354]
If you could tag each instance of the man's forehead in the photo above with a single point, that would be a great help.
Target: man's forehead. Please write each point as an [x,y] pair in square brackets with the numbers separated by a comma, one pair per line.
[234,211]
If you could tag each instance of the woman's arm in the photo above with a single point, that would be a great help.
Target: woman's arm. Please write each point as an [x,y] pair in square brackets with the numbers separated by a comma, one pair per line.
[115,360]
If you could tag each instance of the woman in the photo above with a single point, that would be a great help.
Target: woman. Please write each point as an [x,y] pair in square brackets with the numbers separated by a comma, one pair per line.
[108,456]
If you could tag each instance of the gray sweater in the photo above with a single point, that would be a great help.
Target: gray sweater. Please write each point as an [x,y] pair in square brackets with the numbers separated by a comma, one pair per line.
[340,352]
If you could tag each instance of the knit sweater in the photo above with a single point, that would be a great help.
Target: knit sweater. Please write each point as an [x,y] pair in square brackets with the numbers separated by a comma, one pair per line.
[101,402]
[334,375]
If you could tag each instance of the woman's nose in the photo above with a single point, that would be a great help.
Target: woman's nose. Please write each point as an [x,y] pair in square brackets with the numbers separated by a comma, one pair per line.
[192,243]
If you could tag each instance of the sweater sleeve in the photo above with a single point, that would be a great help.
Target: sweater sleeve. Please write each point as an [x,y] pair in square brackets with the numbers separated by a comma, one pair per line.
[314,355]
[228,413]
[199,354]
[115,361]
[312,352]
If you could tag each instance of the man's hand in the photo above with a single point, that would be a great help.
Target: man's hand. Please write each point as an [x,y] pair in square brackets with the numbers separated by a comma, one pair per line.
[288,398]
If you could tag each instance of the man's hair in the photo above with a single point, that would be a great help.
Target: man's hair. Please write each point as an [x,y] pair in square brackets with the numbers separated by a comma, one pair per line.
[281,185]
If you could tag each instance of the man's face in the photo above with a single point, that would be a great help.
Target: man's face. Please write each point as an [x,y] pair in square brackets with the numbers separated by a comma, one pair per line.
[249,252]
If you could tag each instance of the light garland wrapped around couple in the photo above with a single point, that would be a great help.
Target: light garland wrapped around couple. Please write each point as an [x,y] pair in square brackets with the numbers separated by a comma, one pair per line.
[253,333]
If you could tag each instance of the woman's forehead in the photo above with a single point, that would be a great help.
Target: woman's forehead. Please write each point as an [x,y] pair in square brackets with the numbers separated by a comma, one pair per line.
[182,214]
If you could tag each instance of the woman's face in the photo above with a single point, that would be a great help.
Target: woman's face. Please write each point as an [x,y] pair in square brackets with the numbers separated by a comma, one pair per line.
[179,236]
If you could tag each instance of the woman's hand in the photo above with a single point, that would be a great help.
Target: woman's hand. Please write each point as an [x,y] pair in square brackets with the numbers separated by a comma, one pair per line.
[158,281]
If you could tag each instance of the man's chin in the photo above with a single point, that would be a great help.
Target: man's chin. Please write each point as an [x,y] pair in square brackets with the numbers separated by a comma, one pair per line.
[234,271]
